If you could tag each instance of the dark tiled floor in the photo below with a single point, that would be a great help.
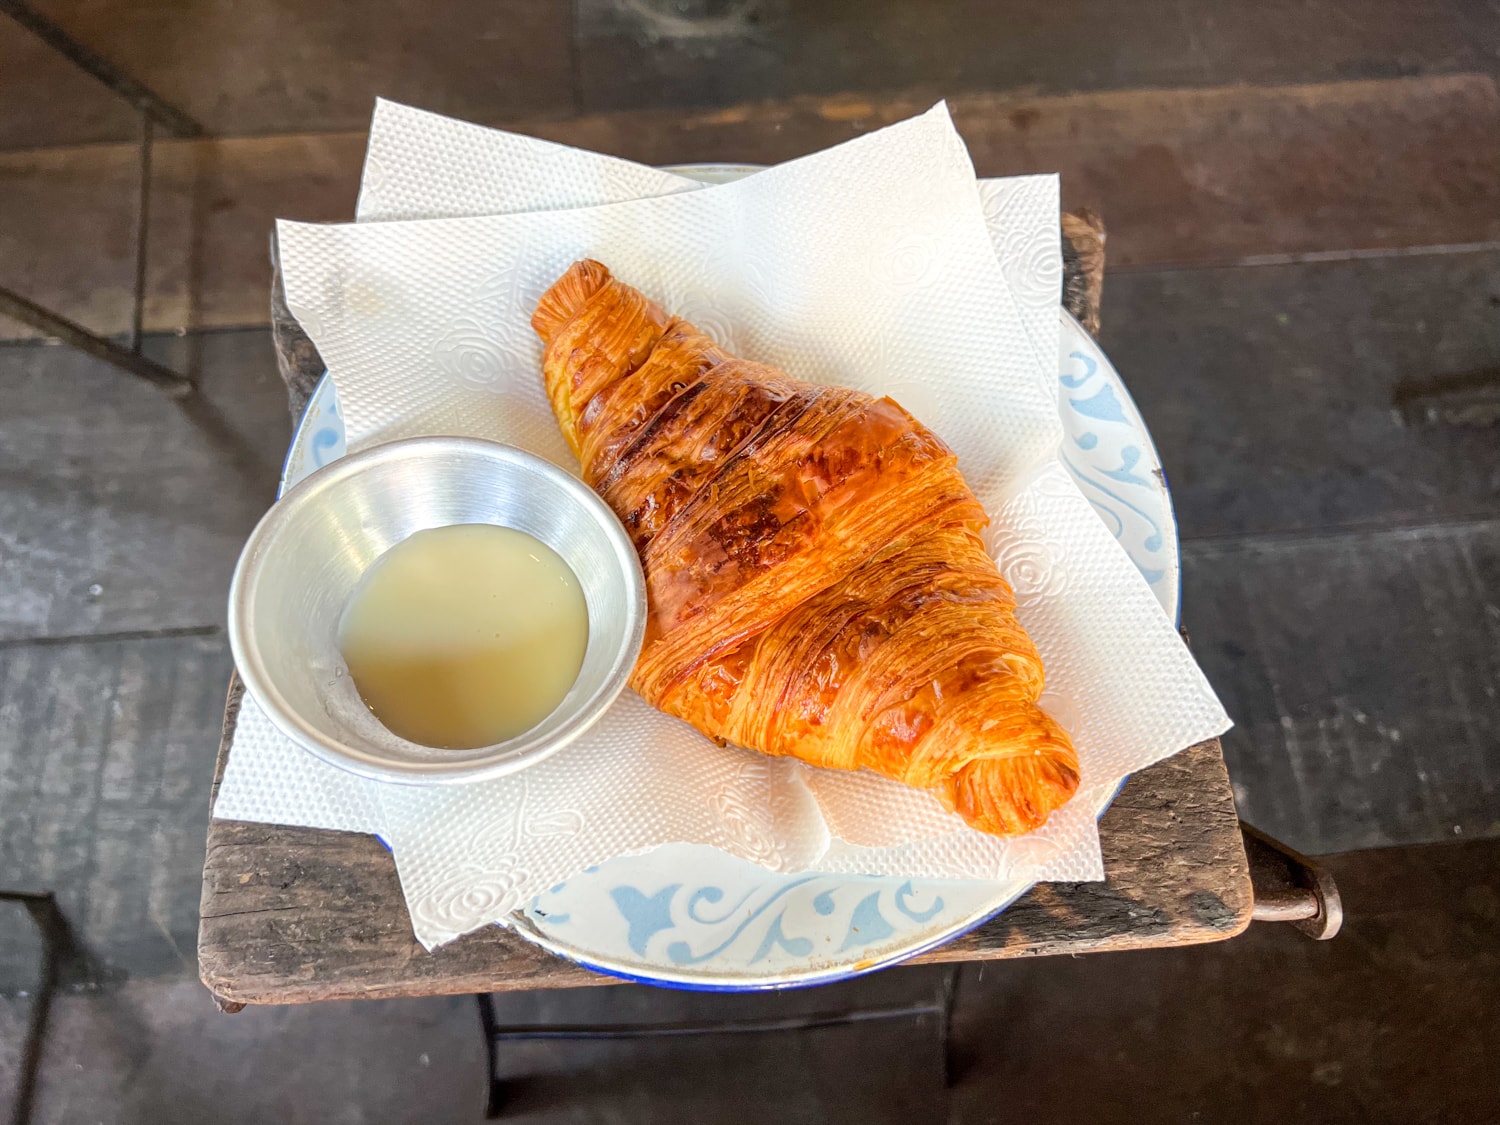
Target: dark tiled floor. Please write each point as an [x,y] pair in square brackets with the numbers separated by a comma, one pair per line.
[1185,177]
[106,483]
[1327,539]
[285,66]
[1272,391]
[1392,1022]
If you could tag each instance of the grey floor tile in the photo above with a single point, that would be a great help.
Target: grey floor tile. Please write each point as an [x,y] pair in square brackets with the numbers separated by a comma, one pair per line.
[289,67]
[1361,670]
[1393,1021]
[121,510]
[1271,391]
[686,52]
[157,1053]
[106,756]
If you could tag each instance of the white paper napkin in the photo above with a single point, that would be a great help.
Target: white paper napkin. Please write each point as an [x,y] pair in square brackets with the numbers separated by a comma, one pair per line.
[422,165]
[867,265]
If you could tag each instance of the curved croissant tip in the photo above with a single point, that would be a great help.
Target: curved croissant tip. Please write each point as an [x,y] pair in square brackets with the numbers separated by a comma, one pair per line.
[567,296]
[1010,796]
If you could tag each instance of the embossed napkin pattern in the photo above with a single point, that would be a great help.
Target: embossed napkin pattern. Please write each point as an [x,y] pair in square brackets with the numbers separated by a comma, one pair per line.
[880,264]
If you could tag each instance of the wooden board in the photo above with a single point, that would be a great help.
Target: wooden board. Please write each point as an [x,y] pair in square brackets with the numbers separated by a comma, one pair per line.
[1185,176]
[291,915]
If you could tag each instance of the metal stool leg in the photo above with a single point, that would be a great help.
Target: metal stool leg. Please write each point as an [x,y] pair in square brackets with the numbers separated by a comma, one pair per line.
[154,111]
[57,945]
[494,1088]
[945,1027]
[496,1096]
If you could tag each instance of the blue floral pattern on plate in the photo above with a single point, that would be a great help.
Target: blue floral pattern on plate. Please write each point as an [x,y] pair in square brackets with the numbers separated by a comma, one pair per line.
[1108,450]
[694,917]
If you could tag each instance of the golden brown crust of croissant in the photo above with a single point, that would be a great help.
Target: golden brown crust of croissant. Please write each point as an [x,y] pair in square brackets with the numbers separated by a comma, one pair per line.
[816,579]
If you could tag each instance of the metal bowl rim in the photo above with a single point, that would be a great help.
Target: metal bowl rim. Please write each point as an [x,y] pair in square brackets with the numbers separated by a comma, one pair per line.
[507,757]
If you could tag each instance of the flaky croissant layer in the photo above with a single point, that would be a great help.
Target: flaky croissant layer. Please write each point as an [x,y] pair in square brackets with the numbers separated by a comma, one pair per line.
[815,574]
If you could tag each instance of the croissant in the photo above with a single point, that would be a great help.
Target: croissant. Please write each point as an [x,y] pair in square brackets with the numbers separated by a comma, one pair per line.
[816,581]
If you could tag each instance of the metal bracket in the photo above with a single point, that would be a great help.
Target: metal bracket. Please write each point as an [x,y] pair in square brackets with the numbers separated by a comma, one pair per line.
[1289,887]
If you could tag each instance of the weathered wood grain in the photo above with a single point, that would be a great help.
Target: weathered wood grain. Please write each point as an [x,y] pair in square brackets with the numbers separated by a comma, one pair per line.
[297,914]
[1174,869]
[291,915]
[1083,238]
[1185,176]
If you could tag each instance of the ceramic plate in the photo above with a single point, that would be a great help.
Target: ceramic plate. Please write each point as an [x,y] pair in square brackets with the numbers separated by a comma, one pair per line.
[693,917]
